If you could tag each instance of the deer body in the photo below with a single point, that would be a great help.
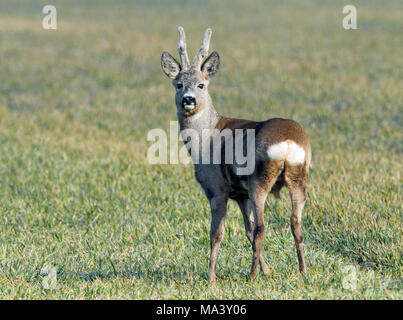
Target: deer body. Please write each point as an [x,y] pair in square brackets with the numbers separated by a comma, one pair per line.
[282,155]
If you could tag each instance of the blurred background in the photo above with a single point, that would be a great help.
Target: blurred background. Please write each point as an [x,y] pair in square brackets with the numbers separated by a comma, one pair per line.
[76,104]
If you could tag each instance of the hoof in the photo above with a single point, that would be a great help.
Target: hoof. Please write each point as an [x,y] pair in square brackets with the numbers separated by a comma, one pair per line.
[265,269]
[252,277]
[212,278]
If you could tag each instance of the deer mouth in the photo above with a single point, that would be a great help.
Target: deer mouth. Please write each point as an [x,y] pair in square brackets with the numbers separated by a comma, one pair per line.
[189,106]
[190,109]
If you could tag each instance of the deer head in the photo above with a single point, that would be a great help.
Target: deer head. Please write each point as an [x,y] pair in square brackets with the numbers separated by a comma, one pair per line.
[191,80]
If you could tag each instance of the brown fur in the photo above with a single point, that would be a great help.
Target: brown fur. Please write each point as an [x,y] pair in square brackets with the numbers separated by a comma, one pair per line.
[220,181]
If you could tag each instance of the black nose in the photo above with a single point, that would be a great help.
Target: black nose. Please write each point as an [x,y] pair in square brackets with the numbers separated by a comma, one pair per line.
[189,100]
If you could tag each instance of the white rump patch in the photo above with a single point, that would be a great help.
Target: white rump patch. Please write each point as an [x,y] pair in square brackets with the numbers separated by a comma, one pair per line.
[287,150]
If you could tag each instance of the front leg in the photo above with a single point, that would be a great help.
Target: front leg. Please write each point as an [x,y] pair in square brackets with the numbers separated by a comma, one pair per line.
[218,205]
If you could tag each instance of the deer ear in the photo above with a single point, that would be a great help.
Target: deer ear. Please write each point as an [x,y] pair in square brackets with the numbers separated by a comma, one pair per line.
[211,64]
[169,65]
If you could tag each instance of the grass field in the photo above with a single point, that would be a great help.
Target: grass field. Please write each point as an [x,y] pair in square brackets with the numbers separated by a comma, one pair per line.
[77,192]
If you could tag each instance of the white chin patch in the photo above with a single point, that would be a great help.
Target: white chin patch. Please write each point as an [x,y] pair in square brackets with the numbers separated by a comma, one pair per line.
[188,107]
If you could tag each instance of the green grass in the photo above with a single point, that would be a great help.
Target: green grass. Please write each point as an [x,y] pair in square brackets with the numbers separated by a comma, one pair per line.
[77,193]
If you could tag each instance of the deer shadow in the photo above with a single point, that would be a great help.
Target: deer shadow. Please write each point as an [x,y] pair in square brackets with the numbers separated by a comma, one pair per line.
[324,241]
[176,273]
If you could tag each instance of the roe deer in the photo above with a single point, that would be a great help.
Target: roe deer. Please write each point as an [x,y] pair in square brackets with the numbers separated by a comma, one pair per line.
[282,156]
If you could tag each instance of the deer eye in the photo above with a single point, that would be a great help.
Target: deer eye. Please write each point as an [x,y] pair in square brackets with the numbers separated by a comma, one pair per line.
[201,86]
[179,85]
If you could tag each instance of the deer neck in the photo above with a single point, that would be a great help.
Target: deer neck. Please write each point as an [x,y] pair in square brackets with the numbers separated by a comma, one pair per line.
[207,118]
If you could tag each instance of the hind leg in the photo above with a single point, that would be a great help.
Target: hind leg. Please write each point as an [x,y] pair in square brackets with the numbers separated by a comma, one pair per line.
[296,178]
[247,214]
[260,185]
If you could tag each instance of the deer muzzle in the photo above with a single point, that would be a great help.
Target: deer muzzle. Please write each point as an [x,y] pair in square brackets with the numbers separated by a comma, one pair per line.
[189,103]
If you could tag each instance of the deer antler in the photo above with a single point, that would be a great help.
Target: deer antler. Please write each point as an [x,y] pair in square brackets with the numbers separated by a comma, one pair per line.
[183,54]
[203,51]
